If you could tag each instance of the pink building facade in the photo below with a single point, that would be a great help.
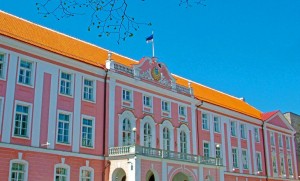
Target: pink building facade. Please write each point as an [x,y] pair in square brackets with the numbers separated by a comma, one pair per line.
[73,111]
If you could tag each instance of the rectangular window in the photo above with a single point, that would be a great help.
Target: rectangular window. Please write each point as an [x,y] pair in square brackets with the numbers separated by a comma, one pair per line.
[126,95]
[87,133]
[217,124]
[206,150]
[17,172]
[272,138]
[205,123]
[218,151]
[147,101]
[280,140]
[88,90]
[245,159]
[21,121]
[61,174]
[234,158]
[290,166]
[258,162]
[182,110]
[274,162]
[1,65]
[256,134]
[282,166]
[233,128]
[288,143]
[66,83]
[243,131]
[165,106]
[63,133]
[86,175]
[25,72]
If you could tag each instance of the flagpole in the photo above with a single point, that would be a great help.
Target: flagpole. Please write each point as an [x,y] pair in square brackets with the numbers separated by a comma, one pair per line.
[152,45]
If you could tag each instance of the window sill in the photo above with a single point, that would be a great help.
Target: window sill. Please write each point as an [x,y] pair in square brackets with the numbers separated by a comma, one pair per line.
[64,144]
[66,95]
[25,85]
[21,137]
[87,147]
[89,101]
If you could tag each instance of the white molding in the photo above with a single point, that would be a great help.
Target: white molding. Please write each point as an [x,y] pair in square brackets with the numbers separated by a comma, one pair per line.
[238,126]
[77,112]
[9,100]
[33,69]
[53,107]
[249,132]
[212,135]
[224,151]
[37,110]
[194,128]
[62,165]
[50,151]
[253,155]
[130,116]
[89,78]
[188,138]
[266,147]
[295,160]
[1,112]
[111,113]
[280,130]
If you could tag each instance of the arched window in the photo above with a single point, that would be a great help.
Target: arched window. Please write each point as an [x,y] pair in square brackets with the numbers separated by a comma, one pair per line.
[62,172]
[86,173]
[147,135]
[166,138]
[126,132]
[183,143]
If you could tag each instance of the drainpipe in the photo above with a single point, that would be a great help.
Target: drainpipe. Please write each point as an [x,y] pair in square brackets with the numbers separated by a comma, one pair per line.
[263,140]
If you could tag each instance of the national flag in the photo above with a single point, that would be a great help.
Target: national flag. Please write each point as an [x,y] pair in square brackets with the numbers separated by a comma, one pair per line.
[149,39]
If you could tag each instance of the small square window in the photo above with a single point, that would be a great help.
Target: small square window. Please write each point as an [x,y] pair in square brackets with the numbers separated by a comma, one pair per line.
[165,106]
[25,72]
[126,94]
[182,110]
[147,101]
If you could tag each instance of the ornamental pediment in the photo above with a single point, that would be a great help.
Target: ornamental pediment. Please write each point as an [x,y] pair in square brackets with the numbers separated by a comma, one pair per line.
[152,70]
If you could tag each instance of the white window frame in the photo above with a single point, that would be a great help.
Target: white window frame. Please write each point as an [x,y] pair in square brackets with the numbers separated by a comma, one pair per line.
[183,143]
[167,124]
[18,161]
[205,121]
[235,161]
[4,66]
[127,95]
[93,88]
[282,165]
[87,168]
[256,135]
[149,101]
[25,104]
[258,163]
[288,142]
[65,166]
[218,148]
[243,130]
[272,138]
[165,106]
[93,131]
[280,141]
[274,159]
[70,126]
[206,150]
[148,137]
[166,139]
[233,128]
[290,166]
[245,161]
[132,119]
[182,110]
[185,129]
[70,81]
[217,124]
[32,72]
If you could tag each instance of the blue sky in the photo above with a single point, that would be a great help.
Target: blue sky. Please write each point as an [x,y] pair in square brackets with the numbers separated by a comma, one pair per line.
[248,48]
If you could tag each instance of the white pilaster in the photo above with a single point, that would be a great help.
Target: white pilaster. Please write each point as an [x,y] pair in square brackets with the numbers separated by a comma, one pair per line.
[294,159]
[194,129]
[239,146]
[9,100]
[253,153]
[38,97]
[111,114]
[52,108]
[138,167]
[222,173]
[201,173]
[249,134]
[229,151]
[224,151]
[266,147]
[77,112]
[212,136]
[164,171]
